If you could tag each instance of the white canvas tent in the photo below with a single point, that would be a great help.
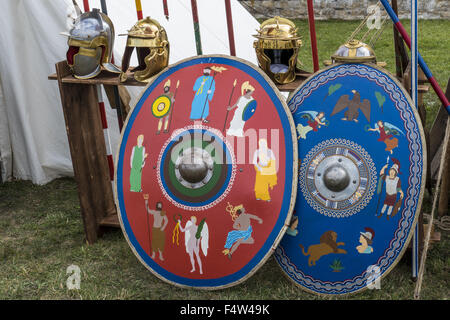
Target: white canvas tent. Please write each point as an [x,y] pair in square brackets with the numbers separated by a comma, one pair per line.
[33,141]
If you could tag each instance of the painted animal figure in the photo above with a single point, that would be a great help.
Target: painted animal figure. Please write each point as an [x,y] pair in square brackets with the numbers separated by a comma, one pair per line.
[326,246]
[353,106]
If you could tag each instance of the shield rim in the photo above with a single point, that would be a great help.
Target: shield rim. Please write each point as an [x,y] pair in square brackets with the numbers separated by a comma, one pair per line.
[267,253]
[422,187]
[168,110]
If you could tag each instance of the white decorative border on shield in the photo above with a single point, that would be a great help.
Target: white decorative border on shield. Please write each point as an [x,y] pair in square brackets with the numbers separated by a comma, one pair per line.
[230,182]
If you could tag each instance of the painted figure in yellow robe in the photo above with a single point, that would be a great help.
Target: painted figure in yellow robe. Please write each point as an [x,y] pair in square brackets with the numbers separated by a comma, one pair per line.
[266,171]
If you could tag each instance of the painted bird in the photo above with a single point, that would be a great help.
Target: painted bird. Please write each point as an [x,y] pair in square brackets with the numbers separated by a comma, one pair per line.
[353,105]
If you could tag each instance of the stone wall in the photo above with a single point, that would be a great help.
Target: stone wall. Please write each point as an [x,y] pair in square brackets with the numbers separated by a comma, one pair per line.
[342,9]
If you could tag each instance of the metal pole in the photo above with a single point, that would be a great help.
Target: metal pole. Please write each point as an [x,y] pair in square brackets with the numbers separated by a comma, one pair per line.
[422,63]
[414,84]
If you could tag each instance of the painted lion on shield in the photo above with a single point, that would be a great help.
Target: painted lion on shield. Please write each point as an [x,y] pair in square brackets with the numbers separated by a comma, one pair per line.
[327,245]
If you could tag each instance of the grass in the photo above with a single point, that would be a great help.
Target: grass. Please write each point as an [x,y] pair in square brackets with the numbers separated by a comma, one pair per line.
[41,231]
[42,234]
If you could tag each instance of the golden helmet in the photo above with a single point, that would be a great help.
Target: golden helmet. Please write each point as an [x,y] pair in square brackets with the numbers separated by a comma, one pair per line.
[152,47]
[354,51]
[277,47]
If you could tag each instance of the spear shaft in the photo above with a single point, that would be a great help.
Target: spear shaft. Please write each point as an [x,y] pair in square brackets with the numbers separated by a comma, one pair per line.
[166,9]
[230,27]
[229,102]
[173,106]
[312,35]
[86,5]
[115,88]
[198,40]
[207,95]
[139,10]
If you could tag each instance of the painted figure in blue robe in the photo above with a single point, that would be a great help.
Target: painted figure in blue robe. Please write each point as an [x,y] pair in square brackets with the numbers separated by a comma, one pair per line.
[204,91]
[242,233]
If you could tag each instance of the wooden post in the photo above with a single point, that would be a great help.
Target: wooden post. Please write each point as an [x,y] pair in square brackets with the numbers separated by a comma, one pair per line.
[88,152]
[445,186]
[439,130]
[401,57]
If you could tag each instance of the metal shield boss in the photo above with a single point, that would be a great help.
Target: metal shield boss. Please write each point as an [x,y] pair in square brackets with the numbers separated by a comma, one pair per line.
[204,191]
[360,182]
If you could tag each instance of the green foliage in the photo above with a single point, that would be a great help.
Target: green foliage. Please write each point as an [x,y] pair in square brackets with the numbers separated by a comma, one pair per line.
[337,265]
[380,98]
[334,88]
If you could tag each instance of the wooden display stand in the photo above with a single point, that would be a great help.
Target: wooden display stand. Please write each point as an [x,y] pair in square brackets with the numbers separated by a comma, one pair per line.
[87,147]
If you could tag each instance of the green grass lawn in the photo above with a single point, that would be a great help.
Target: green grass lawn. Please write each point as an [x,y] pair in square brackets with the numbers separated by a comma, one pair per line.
[41,231]
[42,234]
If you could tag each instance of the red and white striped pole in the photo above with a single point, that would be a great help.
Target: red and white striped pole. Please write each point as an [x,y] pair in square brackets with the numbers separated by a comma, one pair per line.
[101,106]
[109,156]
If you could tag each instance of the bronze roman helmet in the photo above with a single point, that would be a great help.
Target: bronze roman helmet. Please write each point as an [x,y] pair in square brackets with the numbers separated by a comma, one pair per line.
[91,43]
[277,48]
[152,47]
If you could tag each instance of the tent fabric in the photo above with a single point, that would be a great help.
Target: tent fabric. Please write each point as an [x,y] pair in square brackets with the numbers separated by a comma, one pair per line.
[33,140]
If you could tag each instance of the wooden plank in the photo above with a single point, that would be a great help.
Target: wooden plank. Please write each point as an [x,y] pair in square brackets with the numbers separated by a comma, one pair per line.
[105,78]
[88,152]
[125,98]
[437,130]
[110,221]
[445,186]
[401,57]
[290,87]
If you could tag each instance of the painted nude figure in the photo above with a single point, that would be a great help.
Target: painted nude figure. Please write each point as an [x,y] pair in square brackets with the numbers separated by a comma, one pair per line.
[195,237]
[160,222]
[242,233]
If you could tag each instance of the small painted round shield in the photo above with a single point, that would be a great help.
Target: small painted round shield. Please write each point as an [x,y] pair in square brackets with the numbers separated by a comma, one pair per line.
[203,196]
[249,110]
[361,179]
[161,106]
